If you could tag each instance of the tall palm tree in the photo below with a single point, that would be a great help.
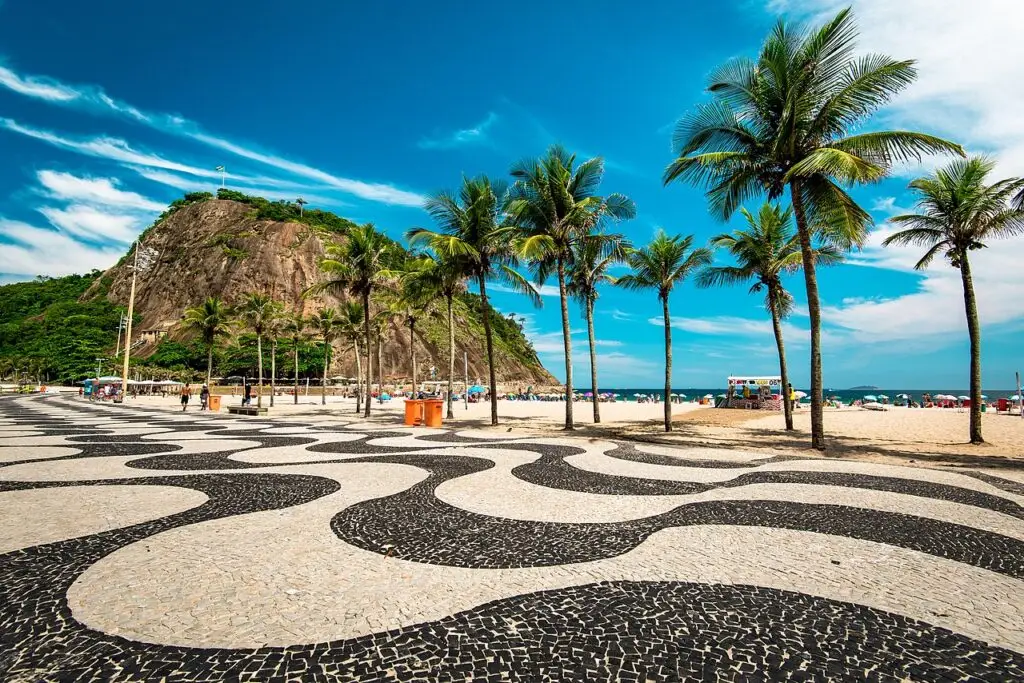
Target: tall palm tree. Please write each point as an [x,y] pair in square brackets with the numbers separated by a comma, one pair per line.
[764,252]
[784,121]
[591,259]
[446,277]
[471,230]
[275,328]
[350,326]
[555,204]
[958,213]
[294,328]
[365,260]
[661,265]
[212,321]
[326,323]
[415,300]
[257,312]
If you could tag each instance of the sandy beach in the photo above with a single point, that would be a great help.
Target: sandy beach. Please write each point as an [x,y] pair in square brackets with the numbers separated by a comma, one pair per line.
[910,436]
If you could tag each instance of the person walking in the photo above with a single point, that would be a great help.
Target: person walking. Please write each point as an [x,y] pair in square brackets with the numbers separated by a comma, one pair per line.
[204,398]
[186,392]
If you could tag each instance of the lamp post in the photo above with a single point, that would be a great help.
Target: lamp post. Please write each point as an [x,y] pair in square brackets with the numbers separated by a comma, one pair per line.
[128,331]
[223,175]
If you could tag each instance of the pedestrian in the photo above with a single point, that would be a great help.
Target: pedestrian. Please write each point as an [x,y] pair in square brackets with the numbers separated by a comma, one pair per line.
[186,391]
[247,399]
[204,398]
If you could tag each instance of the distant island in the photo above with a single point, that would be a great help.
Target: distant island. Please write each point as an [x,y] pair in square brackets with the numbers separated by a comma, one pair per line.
[866,387]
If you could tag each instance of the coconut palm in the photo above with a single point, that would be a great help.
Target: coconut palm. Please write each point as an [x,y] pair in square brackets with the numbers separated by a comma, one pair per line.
[661,265]
[554,203]
[212,321]
[364,261]
[958,213]
[782,122]
[471,231]
[446,277]
[350,327]
[591,259]
[294,328]
[257,312]
[326,323]
[764,252]
[415,299]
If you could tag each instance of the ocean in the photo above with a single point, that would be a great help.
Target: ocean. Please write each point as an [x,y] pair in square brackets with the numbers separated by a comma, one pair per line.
[845,395]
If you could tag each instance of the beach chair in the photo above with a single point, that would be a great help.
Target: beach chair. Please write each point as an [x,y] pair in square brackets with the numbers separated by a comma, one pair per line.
[1002,406]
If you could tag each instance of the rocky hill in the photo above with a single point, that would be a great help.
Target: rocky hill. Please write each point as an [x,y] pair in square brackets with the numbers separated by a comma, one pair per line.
[223,248]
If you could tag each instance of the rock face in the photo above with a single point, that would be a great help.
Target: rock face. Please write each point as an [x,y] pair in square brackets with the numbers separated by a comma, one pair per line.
[216,248]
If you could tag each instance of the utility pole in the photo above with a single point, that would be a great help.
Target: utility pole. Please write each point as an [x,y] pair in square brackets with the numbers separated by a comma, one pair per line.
[128,333]
[120,328]
[223,175]
[465,375]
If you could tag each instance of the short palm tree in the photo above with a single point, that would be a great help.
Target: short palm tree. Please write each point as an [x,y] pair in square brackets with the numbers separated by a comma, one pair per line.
[365,260]
[471,230]
[257,312]
[415,300]
[783,122]
[350,326]
[554,203]
[958,213]
[445,277]
[294,328]
[766,250]
[661,265]
[326,323]
[212,321]
[591,259]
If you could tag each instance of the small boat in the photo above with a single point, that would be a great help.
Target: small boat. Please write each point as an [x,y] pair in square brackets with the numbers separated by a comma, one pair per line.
[873,405]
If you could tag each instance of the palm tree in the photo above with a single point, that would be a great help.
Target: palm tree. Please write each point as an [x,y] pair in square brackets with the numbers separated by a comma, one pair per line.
[958,213]
[257,312]
[591,258]
[415,300]
[326,323]
[294,328]
[471,231]
[442,276]
[765,251]
[661,265]
[275,329]
[783,122]
[364,261]
[555,205]
[211,320]
[351,324]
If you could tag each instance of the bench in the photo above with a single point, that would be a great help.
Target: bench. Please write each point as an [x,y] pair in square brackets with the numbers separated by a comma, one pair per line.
[246,410]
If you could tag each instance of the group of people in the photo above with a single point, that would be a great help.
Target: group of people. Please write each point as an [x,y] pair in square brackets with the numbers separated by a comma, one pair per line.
[204,397]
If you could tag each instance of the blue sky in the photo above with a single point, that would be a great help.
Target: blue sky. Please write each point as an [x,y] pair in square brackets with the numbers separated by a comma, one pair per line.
[110,110]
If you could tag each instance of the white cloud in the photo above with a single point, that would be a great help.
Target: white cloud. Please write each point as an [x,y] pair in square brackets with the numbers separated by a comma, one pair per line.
[42,88]
[621,315]
[543,290]
[95,98]
[102,191]
[475,135]
[38,251]
[94,225]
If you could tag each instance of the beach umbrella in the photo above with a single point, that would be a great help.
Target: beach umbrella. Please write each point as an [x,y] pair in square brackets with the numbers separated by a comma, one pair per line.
[882,396]
[800,394]
[1015,397]
[682,395]
[709,395]
[870,397]
[963,398]
[721,396]
[902,396]
[475,389]
[984,396]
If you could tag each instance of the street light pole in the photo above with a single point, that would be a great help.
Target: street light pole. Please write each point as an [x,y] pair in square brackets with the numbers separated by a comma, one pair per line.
[223,175]
[128,333]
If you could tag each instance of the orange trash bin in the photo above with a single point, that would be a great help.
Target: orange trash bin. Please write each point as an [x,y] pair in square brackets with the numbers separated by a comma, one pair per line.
[214,403]
[432,412]
[413,412]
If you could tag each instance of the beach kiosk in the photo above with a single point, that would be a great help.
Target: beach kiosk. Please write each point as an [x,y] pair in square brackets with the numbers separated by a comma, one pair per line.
[753,392]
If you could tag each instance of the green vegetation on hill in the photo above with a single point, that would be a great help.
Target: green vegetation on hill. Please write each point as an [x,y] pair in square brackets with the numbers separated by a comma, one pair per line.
[281,210]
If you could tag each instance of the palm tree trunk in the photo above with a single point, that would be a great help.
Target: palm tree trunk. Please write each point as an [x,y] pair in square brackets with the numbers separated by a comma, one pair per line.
[209,364]
[359,376]
[323,382]
[273,369]
[296,390]
[259,359]
[369,341]
[814,312]
[593,361]
[787,406]
[668,363]
[567,344]
[451,355]
[485,308]
[412,352]
[974,332]
[380,364]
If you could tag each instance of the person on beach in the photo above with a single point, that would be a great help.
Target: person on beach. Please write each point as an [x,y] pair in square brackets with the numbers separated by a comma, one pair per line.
[247,398]
[204,398]
[186,392]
